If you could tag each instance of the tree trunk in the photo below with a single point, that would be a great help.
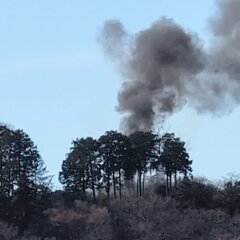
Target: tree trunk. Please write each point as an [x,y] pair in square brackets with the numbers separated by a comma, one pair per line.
[108,180]
[143,184]
[93,186]
[120,183]
[137,184]
[94,194]
[9,181]
[140,184]
[175,179]
[170,182]
[108,187]
[114,185]
[83,188]
[167,186]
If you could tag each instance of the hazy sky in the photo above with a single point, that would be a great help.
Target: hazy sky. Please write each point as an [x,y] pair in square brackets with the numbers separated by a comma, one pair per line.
[57,85]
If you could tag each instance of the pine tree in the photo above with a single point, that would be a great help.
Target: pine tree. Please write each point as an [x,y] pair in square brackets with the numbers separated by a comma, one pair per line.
[142,153]
[81,169]
[174,159]
[115,153]
[23,174]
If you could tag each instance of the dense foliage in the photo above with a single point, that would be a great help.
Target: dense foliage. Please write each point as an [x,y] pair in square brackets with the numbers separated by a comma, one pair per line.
[115,159]
[22,177]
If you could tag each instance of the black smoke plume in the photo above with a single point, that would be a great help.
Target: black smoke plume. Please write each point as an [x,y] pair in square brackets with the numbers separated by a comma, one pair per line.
[165,67]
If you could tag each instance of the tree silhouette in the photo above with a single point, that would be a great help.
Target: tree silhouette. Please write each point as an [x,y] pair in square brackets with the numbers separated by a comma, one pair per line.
[93,165]
[174,159]
[81,169]
[142,153]
[106,163]
[115,153]
[22,174]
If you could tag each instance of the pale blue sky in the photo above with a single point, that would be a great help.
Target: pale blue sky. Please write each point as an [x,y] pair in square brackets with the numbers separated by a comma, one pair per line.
[56,84]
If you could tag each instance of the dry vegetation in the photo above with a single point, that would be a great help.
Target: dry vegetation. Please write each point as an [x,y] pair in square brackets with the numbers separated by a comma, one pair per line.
[199,211]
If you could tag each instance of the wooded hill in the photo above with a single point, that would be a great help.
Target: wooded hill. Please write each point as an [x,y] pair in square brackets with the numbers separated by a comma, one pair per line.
[116,187]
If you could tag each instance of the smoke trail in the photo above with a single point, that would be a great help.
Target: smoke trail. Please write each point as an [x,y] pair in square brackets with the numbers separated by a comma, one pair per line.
[226,28]
[220,80]
[112,39]
[164,67]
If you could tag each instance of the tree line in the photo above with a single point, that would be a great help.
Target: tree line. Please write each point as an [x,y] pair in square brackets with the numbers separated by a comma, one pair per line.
[115,159]
[106,164]
[109,162]
[96,171]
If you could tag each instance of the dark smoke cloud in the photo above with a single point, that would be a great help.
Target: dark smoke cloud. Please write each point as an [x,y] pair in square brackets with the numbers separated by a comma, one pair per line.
[164,67]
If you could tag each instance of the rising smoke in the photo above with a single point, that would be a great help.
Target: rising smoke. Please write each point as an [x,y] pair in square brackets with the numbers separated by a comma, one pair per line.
[164,67]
